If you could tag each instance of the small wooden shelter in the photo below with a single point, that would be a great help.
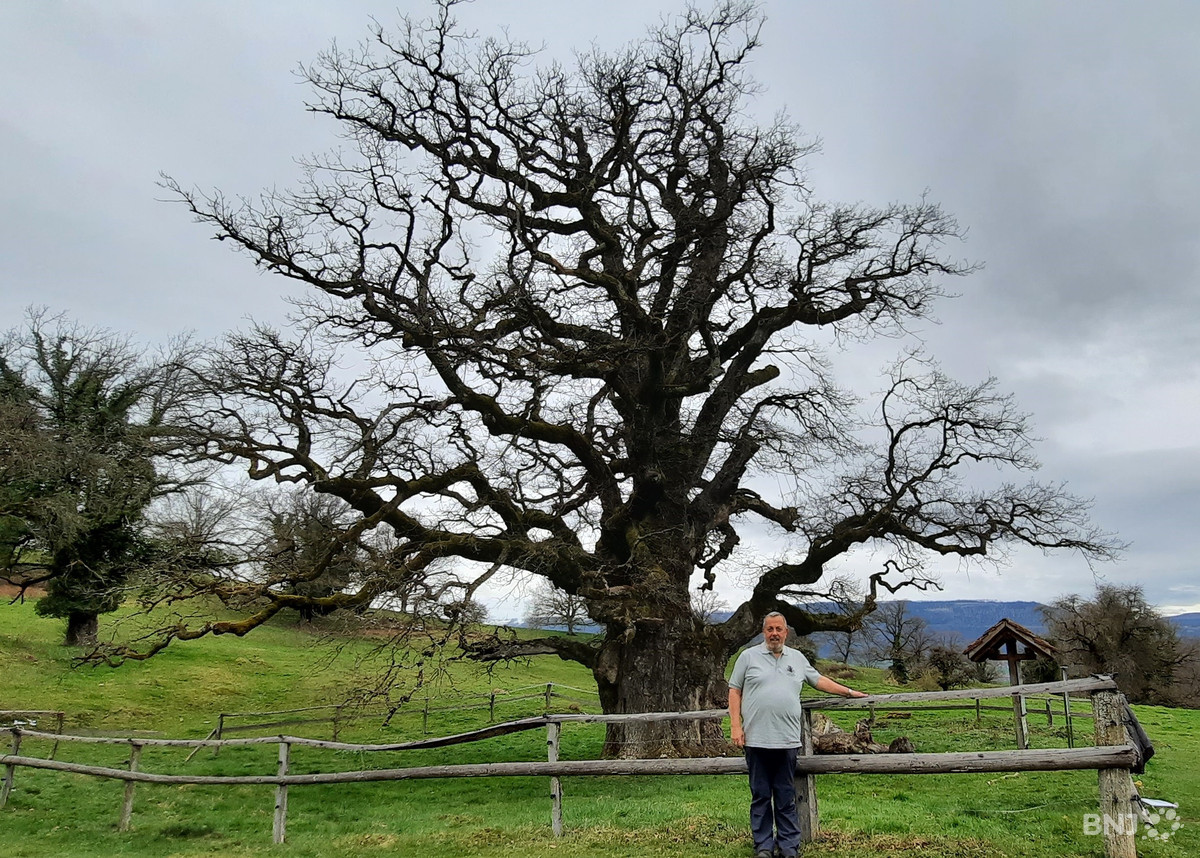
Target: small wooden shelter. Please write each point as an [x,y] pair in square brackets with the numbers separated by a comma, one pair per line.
[1011,642]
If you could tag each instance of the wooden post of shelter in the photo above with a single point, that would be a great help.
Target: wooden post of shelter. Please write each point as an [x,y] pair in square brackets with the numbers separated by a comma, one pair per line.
[1013,643]
[1118,812]
[279,830]
[135,757]
[1020,721]
[806,788]
[11,769]
[553,731]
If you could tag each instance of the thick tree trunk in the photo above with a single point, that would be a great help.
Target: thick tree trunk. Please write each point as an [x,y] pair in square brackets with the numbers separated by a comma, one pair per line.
[82,628]
[663,665]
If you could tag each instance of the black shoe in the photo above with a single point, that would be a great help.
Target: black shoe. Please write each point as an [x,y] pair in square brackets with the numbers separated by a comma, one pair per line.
[764,853]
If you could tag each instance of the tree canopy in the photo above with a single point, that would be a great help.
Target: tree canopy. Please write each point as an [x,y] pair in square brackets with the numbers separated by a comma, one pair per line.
[81,422]
[549,606]
[592,308]
[1117,632]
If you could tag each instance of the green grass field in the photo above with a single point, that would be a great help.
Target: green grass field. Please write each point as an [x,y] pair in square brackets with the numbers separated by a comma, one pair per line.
[180,693]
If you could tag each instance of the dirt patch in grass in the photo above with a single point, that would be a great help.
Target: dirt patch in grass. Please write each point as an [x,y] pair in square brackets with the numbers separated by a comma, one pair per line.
[839,843]
[365,841]
[9,591]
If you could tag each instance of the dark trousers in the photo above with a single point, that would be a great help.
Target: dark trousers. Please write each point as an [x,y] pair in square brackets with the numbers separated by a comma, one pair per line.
[773,818]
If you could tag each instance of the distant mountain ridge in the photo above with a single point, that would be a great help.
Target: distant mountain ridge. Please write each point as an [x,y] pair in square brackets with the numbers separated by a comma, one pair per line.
[1188,624]
[966,619]
[970,618]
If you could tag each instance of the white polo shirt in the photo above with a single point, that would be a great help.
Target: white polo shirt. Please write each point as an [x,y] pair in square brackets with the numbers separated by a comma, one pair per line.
[770,689]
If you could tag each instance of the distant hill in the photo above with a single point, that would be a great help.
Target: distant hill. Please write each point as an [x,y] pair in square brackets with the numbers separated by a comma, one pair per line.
[1188,624]
[964,620]
[969,618]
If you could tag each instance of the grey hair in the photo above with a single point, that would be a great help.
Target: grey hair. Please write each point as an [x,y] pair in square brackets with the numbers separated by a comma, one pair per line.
[775,614]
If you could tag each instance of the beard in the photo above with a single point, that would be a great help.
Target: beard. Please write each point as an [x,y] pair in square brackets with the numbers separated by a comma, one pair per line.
[775,646]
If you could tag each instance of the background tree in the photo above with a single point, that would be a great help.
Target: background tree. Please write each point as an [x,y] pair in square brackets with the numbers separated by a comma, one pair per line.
[897,638]
[466,613]
[548,606]
[1119,633]
[708,606]
[594,303]
[846,595]
[950,666]
[1187,675]
[306,551]
[82,438]
[1040,669]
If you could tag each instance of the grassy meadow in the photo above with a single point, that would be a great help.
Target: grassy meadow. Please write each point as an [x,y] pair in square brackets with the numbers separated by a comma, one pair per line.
[180,693]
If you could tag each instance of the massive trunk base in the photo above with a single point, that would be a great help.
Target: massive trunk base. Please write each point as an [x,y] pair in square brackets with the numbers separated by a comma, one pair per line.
[662,666]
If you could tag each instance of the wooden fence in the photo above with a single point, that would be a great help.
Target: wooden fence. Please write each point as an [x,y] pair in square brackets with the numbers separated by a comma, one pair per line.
[338,715]
[1113,756]
[10,718]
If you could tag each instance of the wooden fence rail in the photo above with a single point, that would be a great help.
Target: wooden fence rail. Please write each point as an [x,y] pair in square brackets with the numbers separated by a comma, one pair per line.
[1113,756]
[966,762]
[339,714]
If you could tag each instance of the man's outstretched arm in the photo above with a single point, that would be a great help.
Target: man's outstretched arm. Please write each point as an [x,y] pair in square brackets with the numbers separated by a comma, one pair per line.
[825,684]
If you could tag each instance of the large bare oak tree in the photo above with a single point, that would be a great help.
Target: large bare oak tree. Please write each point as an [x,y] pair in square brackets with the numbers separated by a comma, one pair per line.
[589,306]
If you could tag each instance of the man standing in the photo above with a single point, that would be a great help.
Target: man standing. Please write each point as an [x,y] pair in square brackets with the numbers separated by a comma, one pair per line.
[765,719]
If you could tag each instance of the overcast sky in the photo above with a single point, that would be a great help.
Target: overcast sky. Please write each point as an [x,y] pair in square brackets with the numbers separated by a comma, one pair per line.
[1064,135]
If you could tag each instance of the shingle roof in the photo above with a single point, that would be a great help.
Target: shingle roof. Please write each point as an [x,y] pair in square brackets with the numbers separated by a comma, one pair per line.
[991,643]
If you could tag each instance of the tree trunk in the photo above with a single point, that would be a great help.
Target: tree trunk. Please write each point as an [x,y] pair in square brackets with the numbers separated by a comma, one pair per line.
[663,665]
[82,628]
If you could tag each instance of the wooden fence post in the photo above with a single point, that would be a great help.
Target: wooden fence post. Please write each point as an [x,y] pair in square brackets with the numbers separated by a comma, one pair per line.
[806,788]
[978,710]
[492,708]
[553,729]
[280,828]
[1067,713]
[1049,715]
[425,718]
[135,757]
[549,693]
[1118,814]
[220,734]
[59,718]
[11,769]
